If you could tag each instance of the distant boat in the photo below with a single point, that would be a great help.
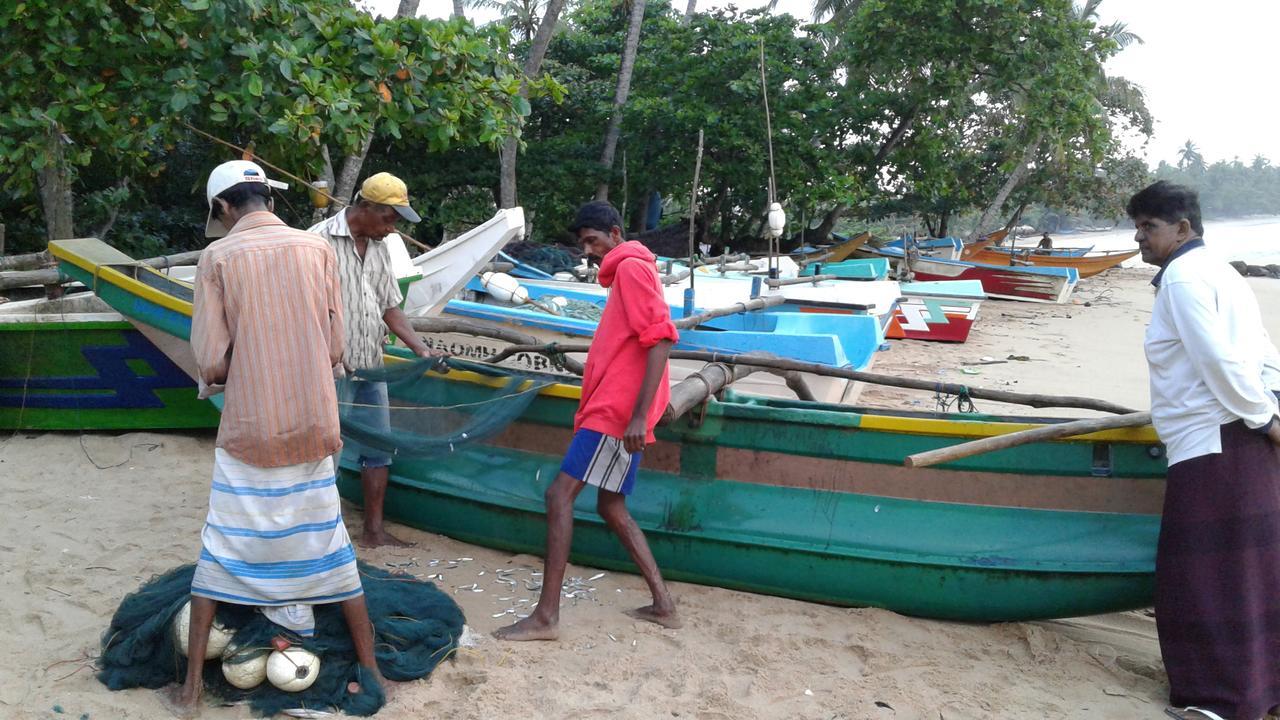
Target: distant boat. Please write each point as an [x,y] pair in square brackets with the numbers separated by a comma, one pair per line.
[1086,265]
[1033,284]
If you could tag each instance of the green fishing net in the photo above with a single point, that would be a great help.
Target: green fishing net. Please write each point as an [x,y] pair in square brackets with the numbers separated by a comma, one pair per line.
[416,626]
[418,412]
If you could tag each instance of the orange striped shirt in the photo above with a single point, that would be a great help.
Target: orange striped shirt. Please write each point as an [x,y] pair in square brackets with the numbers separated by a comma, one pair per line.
[268,324]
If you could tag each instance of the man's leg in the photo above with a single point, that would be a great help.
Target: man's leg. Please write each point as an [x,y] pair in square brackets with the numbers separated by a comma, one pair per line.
[374,482]
[543,623]
[184,700]
[373,410]
[612,507]
[356,613]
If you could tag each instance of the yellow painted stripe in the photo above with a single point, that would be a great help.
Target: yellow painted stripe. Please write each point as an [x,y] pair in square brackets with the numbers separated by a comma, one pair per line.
[960,428]
[108,274]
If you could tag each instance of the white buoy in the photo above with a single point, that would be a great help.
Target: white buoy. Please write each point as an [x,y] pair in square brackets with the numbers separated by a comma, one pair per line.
[293,669]
[219,636]
[504,288]
[244,667]
[777,220]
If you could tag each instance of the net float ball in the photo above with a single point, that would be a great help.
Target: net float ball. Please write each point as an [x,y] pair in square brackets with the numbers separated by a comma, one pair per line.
[292,670]
[244,667]
[219,636]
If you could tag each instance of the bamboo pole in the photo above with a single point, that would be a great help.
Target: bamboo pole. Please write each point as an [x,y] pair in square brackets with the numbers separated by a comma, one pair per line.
[696,388]
[748,306]
[765,360]
[54,276]
[674,278]
[1056,431]
[775,283]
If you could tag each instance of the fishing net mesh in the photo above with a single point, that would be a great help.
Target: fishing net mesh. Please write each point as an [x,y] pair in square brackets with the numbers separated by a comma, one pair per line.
[416,626]
[426,414]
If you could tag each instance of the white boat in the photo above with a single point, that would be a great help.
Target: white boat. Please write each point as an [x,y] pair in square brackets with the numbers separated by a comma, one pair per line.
[444,270]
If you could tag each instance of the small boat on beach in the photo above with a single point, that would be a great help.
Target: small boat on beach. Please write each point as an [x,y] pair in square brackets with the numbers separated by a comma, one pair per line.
[1032,284]
[1086,265]
[799,499]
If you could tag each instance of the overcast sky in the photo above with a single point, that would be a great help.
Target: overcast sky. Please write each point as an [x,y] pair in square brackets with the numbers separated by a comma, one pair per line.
[1211,70]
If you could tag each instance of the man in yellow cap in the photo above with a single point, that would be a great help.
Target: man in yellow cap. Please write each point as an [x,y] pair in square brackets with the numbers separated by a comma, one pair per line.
[371,305]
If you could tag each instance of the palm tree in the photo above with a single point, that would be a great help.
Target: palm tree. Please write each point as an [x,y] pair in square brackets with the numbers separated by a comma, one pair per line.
[620,96]
[1108,92]
[521,16]
[510,146]
[1189,158]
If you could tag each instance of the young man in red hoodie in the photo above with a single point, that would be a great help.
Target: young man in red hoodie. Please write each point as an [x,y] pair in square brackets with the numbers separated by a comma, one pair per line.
[624,392]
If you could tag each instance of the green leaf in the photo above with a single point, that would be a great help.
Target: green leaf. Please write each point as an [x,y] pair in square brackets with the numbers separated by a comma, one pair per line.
[254,85]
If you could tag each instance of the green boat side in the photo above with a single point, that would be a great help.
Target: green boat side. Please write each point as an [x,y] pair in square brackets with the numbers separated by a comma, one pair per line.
[92,375]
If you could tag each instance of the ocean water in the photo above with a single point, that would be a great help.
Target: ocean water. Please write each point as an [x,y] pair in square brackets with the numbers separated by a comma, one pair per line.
[1254,240]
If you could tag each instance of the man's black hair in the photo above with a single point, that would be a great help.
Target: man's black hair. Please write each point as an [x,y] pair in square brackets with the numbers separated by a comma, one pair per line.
[241,194]
[596,215]
[1168,201]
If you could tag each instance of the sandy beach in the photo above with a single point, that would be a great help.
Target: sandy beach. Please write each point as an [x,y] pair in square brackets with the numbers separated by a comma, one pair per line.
[90,517]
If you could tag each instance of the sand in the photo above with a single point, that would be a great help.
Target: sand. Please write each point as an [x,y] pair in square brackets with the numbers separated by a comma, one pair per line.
[90,517]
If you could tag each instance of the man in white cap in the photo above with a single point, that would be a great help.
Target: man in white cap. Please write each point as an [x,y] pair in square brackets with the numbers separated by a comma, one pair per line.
[371,304]
[266,330]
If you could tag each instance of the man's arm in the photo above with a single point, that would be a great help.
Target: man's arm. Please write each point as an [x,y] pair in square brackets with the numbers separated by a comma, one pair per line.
[333,298]
[210,337]
[398,323]
[638,427]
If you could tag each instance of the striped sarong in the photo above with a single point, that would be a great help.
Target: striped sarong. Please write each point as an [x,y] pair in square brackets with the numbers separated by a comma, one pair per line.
[1218,577]
[274,537]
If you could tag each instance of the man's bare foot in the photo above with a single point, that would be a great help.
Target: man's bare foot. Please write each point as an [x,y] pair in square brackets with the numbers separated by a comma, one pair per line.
[176,701]
[666,617]
[530,628]
[381,538]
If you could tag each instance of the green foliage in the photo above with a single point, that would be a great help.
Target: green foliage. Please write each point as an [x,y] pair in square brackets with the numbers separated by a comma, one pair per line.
[117,81]
[1228,189]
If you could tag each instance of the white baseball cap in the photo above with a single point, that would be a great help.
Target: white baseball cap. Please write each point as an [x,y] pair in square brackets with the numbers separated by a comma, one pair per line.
[227,175]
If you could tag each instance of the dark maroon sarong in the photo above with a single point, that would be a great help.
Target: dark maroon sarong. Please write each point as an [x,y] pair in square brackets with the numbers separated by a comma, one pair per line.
[1218,578]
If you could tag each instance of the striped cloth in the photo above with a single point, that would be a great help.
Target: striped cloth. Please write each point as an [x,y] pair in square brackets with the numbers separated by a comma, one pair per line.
[274,537]
[267,321]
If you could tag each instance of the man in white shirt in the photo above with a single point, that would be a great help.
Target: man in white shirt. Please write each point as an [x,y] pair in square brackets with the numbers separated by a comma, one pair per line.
[1215,375]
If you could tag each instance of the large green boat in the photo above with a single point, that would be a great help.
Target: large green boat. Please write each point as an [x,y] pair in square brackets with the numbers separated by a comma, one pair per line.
[73,363]
[784,497]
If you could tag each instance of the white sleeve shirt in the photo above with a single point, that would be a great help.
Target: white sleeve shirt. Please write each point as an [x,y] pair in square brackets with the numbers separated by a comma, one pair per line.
[1210,358]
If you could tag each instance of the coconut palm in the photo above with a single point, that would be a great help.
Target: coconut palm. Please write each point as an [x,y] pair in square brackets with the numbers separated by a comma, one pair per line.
[620,96]
[1189,158]
[532,65]
[521,16]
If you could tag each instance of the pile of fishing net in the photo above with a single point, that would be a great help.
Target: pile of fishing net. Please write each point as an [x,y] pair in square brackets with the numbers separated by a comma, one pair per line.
[416,626]
[431,414]
[547,258]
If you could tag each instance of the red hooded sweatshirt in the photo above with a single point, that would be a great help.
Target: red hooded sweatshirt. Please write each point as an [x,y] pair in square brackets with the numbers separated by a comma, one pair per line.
[635,318]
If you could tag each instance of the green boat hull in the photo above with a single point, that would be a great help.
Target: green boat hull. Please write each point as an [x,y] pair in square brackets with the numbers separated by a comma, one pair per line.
[802,500]
[92,375]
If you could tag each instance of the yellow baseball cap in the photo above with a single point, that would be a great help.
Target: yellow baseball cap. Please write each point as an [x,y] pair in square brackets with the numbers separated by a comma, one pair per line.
[387,189]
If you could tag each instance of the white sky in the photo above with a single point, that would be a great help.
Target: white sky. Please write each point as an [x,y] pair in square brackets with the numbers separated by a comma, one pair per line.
[1211,70]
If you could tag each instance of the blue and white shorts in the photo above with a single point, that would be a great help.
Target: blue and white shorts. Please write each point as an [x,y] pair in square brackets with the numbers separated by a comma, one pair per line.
[601,460]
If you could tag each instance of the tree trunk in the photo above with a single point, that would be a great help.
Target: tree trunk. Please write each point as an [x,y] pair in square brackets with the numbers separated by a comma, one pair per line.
[351,165]
[1010,183]
[688,12]
[54,181]
[943,220]
[532,66]
[895,137]
[928,225]
[620,97]
[457,8]
[823,231]
[326,175]
[409,8]
[1015,218]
